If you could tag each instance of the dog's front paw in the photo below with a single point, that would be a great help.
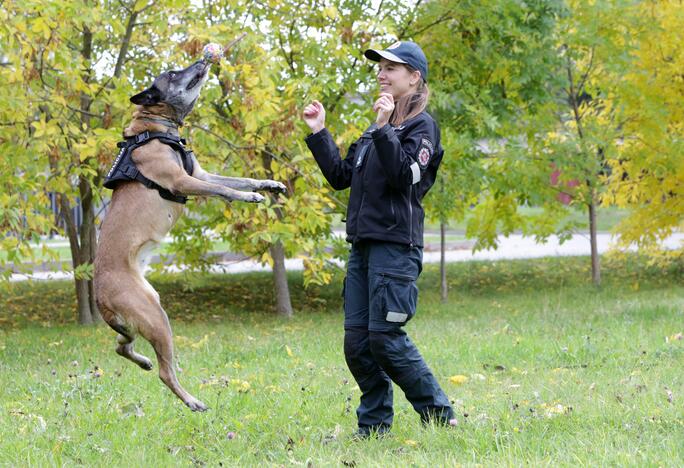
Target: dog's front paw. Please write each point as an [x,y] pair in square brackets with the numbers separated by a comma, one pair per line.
[253,198]
[273,186]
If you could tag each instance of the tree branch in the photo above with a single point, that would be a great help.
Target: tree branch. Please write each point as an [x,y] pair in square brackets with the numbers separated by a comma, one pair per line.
[123,50]
[447,16]
[401,34]
[580,86]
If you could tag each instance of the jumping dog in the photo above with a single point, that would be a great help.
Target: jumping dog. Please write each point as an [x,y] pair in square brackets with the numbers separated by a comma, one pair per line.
[151,177]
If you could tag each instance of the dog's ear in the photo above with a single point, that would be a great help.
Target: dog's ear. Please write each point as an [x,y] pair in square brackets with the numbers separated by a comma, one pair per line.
[148,97]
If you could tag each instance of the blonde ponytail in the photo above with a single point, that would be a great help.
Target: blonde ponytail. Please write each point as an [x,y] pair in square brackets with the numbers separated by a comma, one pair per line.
[412,104]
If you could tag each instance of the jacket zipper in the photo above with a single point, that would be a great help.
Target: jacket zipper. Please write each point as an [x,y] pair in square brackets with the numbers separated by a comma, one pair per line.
[410,216]
[358,214]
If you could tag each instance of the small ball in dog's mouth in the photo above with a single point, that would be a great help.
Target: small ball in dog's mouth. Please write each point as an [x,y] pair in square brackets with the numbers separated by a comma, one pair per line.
[212,52]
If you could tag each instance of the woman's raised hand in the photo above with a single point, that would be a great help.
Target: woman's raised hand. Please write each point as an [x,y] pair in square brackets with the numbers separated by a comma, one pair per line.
[314,116]
[384,107]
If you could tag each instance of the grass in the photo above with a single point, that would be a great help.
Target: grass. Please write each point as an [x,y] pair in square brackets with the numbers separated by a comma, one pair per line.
[607,218]
[555,372]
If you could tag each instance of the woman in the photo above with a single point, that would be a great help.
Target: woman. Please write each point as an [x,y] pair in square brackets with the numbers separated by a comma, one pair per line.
[389,169]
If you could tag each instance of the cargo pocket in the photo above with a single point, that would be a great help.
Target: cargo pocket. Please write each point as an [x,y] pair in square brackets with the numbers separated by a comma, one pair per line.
[399,297]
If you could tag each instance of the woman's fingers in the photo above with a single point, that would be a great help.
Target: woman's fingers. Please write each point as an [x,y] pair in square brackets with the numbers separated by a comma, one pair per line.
[313,109]
[318,106]
[384,103]
[314,116]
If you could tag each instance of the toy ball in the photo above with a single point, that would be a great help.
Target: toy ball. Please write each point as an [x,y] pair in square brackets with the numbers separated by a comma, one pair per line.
[212,52]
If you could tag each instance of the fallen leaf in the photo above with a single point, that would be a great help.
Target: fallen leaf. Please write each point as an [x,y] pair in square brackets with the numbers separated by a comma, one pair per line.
[458,379]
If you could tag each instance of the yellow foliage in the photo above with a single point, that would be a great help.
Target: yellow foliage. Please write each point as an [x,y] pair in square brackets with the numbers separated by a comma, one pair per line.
[648,175]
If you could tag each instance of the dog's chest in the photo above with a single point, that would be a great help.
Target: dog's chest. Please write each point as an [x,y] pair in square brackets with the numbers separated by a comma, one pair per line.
[145,254]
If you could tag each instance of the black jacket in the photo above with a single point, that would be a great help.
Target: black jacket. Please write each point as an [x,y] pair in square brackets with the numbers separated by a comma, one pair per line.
[389,170]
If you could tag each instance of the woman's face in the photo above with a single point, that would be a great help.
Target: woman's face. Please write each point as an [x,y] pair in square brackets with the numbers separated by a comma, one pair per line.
[396,79]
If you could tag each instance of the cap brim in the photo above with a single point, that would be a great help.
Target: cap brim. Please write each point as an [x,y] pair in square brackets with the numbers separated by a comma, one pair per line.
[376,55]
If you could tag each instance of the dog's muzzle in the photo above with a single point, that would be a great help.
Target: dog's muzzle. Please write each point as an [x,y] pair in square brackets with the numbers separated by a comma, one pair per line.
[201,74]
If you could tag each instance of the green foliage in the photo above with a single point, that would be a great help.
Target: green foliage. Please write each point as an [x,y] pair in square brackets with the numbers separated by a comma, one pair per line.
[250,124]
[496,72]
[521,89]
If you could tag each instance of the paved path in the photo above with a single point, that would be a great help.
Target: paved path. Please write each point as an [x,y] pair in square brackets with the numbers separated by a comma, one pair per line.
[512,247]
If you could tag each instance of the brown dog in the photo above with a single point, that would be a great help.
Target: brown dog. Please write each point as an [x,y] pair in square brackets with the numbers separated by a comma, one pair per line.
[139,218]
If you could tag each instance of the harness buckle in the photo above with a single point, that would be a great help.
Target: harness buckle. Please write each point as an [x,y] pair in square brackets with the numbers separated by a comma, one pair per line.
[142,137]
[131,171]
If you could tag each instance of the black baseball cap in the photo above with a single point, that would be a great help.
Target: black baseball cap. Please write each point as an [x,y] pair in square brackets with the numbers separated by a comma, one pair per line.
[402,52]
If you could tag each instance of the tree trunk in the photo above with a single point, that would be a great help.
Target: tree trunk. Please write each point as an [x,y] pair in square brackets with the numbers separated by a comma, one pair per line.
[83,240]
[444,289]
[282,290]
[85,317]
[595,261]
[283,304]
[88,246]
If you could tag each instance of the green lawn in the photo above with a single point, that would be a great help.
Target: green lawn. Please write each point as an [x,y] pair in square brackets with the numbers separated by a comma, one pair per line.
[556,373]
[607,218]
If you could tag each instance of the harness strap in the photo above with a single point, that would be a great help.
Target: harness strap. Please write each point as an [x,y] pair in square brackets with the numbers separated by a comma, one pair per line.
[131,143]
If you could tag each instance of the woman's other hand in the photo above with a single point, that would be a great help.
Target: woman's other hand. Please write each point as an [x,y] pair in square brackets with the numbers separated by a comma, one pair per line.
[314,116]
[384,107]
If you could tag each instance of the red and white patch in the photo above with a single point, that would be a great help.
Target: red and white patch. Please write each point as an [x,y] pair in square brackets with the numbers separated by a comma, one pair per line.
[424,156]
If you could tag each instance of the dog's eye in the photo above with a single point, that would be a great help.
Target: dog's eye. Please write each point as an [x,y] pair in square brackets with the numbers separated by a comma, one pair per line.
[172,74]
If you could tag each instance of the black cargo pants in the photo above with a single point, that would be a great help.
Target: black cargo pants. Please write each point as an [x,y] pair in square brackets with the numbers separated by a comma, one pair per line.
[380,296]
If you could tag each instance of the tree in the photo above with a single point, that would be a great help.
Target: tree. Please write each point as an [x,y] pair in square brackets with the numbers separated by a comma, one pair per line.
[84,58]
[71,66]
[647,170]
[594,51]
[492,73]
[253,125]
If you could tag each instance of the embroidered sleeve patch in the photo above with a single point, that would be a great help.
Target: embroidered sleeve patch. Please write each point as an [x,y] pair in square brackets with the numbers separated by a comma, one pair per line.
[425,152]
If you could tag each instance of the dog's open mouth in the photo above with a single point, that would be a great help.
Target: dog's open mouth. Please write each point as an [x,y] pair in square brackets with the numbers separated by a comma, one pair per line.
[198,78]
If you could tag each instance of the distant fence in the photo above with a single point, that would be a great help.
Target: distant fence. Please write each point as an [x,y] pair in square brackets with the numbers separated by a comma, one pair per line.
[76,211]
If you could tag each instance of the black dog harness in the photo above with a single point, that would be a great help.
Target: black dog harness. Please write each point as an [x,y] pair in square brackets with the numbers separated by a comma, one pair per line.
[125,169]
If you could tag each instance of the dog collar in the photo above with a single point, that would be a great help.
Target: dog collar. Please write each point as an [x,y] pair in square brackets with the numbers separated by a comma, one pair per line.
[169,123]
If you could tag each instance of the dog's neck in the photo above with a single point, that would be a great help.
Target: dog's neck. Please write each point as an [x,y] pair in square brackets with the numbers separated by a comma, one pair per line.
[152,119]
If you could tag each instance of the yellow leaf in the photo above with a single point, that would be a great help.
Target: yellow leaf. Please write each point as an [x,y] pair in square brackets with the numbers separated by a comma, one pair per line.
[458,379]
[201,342]
[289,351]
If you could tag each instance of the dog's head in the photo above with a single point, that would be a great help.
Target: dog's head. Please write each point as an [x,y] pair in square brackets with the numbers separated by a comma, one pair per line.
[178,89]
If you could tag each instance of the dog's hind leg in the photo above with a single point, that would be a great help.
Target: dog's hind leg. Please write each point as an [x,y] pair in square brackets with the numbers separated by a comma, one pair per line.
[157,330]
[125,349]
[124,339]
